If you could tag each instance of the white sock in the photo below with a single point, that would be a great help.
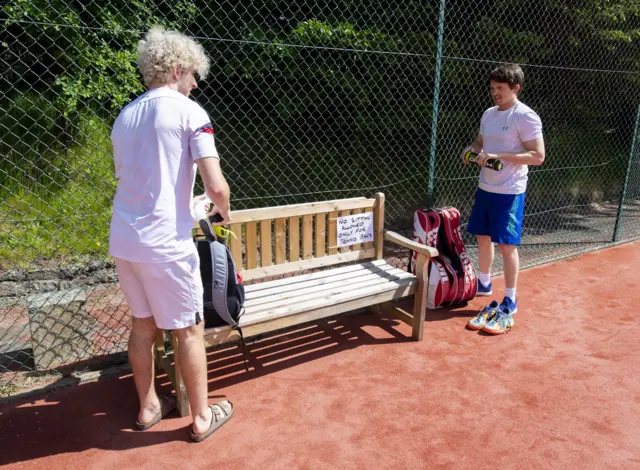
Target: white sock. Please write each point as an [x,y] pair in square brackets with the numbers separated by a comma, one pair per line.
[485,279]
[511,293]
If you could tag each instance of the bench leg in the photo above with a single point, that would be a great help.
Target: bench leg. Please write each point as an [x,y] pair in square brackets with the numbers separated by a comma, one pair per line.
[159,352]
[163,360]
[178,383]
[374,309]
[393,310]
[420,299]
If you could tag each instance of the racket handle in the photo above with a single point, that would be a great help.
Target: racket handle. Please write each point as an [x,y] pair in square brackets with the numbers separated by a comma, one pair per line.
[493,163]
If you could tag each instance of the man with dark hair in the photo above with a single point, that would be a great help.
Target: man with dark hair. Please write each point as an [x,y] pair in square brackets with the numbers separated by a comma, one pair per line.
[511,132]
[512,75]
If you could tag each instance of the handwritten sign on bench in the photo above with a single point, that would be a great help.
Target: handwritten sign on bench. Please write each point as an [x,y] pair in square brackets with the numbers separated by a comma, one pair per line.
[355,229]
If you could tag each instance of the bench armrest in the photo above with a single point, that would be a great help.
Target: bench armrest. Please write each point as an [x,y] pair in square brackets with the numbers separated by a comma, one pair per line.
[398,239]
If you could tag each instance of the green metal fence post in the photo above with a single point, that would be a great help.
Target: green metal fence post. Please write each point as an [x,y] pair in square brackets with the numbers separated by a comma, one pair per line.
[436,99]
[616,231]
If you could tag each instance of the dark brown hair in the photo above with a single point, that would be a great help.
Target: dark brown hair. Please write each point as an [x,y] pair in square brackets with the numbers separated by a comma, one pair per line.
[508,73]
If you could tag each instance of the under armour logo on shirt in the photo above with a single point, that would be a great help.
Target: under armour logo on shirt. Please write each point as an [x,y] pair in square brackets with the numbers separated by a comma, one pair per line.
[505,128]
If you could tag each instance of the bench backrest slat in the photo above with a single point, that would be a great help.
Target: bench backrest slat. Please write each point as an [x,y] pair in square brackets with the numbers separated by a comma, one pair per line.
[283,239]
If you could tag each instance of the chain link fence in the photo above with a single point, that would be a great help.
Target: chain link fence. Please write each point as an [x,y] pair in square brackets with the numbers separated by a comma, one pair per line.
[311,102]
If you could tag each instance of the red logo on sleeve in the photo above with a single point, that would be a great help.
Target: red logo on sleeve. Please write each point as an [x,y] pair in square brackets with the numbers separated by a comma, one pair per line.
[207,129]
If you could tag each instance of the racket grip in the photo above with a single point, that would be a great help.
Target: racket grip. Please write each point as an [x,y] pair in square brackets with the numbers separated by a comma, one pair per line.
[493,163]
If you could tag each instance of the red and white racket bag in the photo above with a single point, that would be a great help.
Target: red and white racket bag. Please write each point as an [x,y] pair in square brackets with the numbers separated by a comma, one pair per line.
[452,276]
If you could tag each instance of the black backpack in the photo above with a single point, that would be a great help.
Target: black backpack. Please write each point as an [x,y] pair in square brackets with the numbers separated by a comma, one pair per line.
[223,290]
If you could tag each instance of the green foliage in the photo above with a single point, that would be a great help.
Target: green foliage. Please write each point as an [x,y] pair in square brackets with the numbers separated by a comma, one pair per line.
[308,97]
[34,134]
[67,222]
[91,46]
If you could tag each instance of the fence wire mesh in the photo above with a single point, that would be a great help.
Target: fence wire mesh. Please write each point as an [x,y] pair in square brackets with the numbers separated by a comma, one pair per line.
[311,102]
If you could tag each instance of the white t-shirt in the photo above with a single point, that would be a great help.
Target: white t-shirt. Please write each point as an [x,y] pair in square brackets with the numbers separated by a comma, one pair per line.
[156,140]
[504,132]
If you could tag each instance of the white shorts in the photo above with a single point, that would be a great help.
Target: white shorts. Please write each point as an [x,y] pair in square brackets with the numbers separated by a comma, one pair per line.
[169,292]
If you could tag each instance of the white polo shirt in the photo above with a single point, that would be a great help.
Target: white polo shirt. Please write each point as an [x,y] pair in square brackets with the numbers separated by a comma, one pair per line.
[156,140]
[504,132]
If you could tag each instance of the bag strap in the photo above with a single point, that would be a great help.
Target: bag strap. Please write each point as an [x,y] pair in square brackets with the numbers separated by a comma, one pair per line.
[220,267]
[220,255]
[219,284]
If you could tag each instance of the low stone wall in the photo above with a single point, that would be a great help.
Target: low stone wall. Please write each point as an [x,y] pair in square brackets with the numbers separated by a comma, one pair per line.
[54,317]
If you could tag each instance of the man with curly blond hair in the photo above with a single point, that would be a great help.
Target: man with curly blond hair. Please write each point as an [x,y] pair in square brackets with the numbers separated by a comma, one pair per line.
[158,142]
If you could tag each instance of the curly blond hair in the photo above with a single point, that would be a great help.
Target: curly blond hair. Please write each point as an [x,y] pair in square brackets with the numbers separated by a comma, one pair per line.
[163,50]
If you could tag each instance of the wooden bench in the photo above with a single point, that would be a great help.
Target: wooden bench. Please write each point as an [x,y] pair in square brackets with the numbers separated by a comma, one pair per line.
[282,240]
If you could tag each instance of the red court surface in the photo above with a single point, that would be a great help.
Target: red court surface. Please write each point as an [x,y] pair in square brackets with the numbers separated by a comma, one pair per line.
[562,390]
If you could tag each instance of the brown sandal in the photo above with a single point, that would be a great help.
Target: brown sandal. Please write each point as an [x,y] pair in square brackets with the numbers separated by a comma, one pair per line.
[220,414]
[168,405]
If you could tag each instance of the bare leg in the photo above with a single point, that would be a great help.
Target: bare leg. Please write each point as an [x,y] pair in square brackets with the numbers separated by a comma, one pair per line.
[511,265]
[143,333]
[193,367]
[485,253]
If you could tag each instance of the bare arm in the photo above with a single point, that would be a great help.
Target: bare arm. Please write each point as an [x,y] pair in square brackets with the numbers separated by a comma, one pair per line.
[475,146]
[216,186]
[534,154]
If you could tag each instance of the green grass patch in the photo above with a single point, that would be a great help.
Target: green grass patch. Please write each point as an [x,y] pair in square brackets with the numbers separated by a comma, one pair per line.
[52,222]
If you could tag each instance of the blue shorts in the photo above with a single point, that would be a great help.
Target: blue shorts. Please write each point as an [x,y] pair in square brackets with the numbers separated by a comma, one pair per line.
[498,216]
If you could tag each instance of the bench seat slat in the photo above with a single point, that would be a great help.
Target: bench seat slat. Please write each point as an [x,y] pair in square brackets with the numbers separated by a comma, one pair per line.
[317,275]
[328,300]
[304,313]
[295,285]
[324,291]
[334,284]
